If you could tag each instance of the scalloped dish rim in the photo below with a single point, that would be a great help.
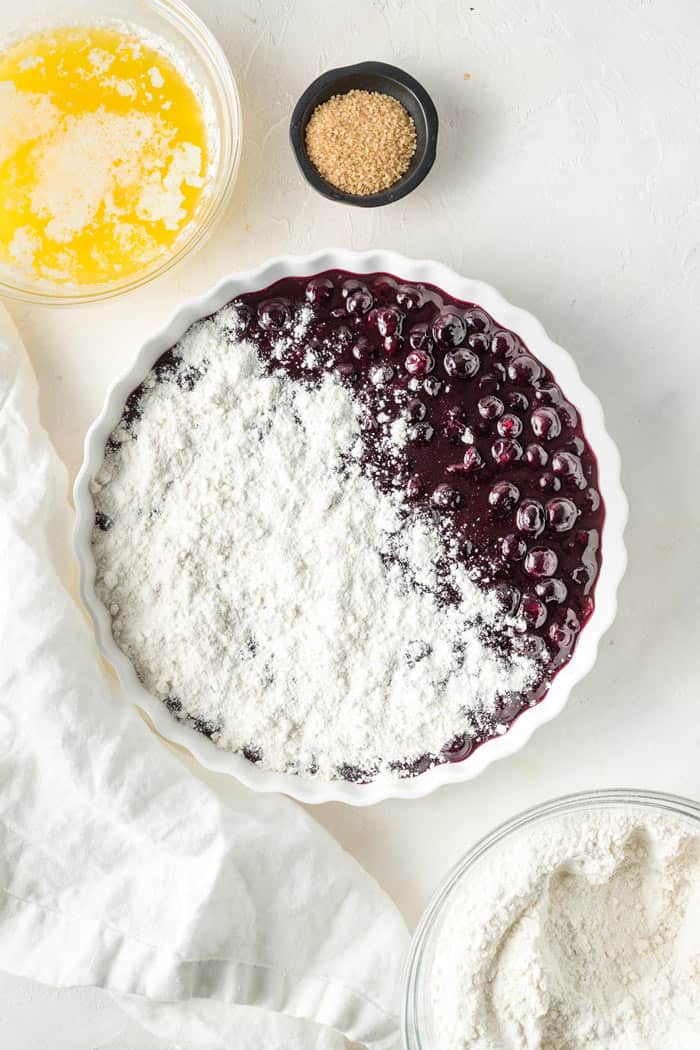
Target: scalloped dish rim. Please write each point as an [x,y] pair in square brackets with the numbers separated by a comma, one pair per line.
[611,572]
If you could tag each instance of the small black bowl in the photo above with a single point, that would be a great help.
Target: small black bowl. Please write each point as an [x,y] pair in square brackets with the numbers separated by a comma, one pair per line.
[369,76]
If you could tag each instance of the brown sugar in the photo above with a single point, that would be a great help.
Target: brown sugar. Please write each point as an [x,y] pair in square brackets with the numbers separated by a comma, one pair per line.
[361,142]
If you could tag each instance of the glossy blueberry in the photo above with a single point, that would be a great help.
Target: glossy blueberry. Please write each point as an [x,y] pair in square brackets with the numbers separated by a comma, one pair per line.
[419,338]
[545,423]
[530,517]
[506,451]
[461,364]
[449,329]
[509,426]
[533,611]
[490,407]
[504,496]
[445,497]
[561,514]
[419,363]
[524,370]
[541,562]
[473,460]
[319,290]
[513,547]
[274,314]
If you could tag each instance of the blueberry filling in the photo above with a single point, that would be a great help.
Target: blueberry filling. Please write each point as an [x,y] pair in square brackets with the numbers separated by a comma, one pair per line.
[493,450]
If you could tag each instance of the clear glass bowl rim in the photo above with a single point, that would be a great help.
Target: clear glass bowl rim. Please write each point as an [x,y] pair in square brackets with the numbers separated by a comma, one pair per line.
[191,26]
[584,800]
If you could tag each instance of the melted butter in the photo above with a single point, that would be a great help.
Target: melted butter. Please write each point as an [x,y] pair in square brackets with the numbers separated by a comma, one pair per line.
[103,156]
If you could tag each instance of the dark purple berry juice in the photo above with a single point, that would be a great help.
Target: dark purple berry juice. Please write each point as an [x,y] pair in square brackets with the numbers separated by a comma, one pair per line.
[494,445]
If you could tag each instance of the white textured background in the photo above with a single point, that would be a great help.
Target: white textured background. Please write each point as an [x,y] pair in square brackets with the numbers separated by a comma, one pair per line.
[568,175]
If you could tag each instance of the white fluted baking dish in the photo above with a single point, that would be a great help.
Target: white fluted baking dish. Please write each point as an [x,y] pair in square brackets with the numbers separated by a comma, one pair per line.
[611,570]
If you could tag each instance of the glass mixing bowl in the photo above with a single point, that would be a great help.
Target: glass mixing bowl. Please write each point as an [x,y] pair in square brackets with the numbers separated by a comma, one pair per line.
[190,43]
[418,1019]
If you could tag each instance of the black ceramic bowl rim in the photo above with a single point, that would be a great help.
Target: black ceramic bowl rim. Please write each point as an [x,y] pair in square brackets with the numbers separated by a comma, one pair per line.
[321,89]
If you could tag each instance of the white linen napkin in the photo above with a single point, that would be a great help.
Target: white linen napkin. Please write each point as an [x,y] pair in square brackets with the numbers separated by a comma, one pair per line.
[244,926]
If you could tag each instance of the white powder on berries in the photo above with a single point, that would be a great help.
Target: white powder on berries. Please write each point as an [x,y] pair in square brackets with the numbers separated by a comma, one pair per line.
[581,933]
[258,577]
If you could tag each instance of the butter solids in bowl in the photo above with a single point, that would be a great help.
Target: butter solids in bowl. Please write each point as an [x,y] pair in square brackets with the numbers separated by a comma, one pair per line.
[116,153]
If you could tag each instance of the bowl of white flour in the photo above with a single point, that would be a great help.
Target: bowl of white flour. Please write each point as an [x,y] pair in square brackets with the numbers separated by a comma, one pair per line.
[575,926]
